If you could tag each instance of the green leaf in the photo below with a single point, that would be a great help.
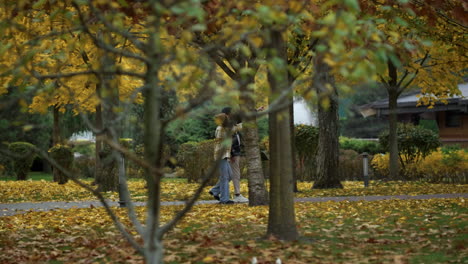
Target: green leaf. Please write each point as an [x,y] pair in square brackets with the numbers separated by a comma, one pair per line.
[39,4]
[321,48]
[353,4]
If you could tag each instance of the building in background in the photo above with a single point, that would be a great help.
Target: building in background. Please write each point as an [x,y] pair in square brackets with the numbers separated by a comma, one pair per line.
[451,118]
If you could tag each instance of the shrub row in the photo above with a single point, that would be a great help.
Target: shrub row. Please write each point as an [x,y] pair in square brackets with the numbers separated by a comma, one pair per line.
[441,166]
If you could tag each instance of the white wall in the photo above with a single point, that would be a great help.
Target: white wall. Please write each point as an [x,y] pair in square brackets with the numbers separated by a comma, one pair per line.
[302,113]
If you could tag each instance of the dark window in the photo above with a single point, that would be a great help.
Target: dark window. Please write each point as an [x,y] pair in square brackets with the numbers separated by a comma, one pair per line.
[453,119]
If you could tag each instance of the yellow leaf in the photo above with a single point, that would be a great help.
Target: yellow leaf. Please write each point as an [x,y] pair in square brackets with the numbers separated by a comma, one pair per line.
[208,259]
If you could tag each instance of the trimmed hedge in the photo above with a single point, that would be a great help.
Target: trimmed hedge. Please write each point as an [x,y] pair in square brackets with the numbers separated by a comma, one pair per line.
[196,158]
[6,164]
[23,158]
[306,141]
[361,145]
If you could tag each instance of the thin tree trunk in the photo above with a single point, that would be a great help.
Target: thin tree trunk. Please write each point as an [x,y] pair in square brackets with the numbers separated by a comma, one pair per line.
[56,138]
[153,136]
[392,89]
[99,126]
[281,220]
[293,146]
[394,165]
[328,146]
[258,194]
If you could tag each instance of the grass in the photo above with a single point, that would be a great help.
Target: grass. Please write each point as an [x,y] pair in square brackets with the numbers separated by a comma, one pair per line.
[394,231]
[41,188]
[34,176]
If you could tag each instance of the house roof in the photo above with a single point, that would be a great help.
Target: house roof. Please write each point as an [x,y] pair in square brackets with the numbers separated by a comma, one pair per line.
[407,103]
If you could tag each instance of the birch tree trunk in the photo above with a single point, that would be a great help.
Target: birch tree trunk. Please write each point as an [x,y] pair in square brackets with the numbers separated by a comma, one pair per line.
[258,194]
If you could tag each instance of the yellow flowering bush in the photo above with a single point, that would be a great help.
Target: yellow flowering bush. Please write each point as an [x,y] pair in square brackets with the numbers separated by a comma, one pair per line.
[451,166]
[380,164]
[439,166]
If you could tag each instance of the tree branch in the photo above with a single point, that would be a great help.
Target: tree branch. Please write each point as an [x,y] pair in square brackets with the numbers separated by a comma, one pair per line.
[101,198]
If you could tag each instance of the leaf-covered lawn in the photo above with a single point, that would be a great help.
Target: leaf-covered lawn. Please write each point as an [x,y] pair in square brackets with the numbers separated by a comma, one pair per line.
[179,189]
[395,231]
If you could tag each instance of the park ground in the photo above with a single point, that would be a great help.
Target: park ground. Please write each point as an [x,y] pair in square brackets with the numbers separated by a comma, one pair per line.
[385,231]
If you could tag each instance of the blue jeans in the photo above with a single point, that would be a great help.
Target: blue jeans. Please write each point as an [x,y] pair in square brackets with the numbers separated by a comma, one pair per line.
[221,188]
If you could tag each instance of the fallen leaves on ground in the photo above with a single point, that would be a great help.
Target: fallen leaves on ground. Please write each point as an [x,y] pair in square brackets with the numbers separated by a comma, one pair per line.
[178,190]
[392,231]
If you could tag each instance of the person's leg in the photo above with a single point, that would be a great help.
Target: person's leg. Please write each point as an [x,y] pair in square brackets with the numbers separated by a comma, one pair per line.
[235,165]
[235,160]
[215,190]
[226,174]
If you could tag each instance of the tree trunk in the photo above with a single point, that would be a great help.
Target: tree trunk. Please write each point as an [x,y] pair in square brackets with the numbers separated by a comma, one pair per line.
[281,220]
[99,126]
[293,146]
[56,138]
[393,93]
[108,179]
[153,142]
[258,194]
[328,146]
[394,165]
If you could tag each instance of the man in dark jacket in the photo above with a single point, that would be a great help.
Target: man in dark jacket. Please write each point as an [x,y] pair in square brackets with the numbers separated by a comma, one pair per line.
[236,152]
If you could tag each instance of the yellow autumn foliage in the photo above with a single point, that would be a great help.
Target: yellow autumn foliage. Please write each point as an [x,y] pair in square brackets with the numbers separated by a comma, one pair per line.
[179,189]
[341,232]
[436,167]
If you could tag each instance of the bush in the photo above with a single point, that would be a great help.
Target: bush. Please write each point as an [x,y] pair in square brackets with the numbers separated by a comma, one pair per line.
[134,170]
[360,145]
[85,166]
[63,155]
[414,143]
[439,166]
[351,165]
[196,159]
[86,148]
[23,158]
[6,164]
[306,140]
[306,143]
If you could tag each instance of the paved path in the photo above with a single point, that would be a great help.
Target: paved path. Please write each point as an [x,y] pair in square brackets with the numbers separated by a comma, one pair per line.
[19,208]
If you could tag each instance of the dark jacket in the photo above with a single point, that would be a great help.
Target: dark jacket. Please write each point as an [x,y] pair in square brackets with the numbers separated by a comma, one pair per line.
[237,147]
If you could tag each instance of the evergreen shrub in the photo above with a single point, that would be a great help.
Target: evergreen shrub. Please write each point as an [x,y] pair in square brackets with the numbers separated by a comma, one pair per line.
[196,158]
[360,145]
[6,165]
[414,143]
[306,141]
[85,166]
[134,170]
[23,158]
[86,148]
[63,155]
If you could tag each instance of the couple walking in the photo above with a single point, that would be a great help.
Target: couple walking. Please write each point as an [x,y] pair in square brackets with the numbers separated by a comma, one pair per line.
[229,168]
